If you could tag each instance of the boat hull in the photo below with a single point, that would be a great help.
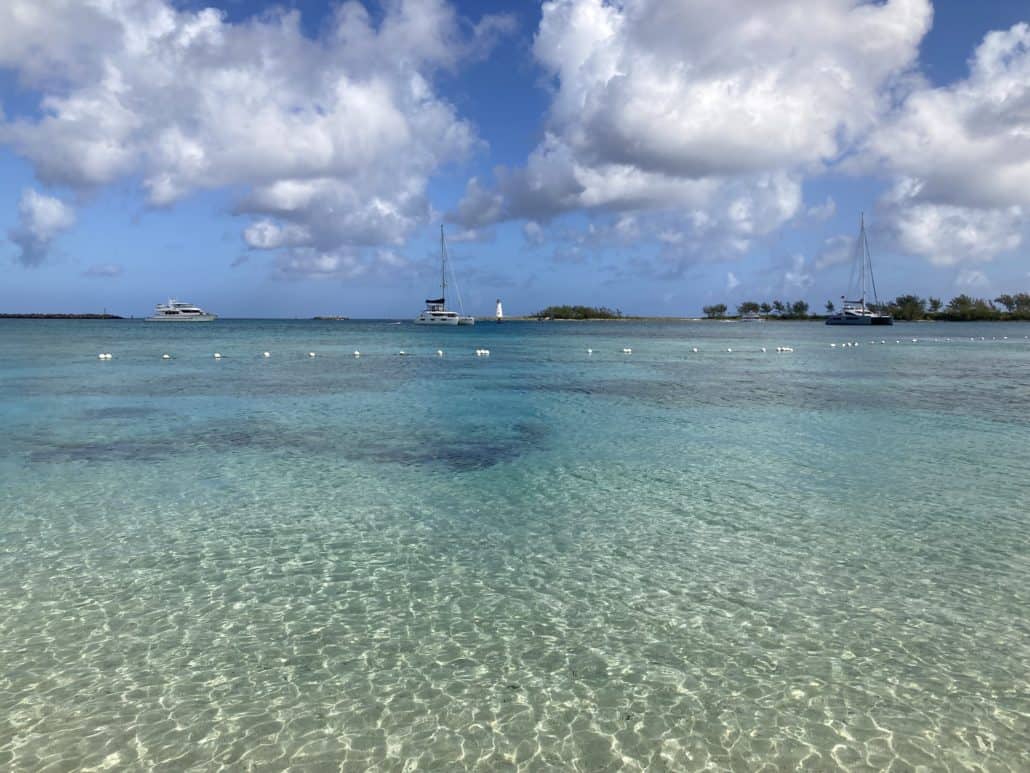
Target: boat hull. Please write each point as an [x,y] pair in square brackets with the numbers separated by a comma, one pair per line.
[860,321]
[442,321]
[190,318]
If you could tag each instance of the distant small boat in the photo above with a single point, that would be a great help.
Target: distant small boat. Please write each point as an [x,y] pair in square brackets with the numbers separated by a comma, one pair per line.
[332,318]
[177,311]
[752,316]
[436,311]
[499,312]
[856,312]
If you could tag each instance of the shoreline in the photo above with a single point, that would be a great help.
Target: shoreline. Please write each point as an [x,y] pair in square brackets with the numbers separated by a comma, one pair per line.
[60,316]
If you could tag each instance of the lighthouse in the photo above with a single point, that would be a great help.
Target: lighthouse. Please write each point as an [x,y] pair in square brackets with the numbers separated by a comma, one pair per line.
[499,313]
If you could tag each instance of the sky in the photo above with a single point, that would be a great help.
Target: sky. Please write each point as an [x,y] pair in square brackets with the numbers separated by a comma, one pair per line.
[654,156]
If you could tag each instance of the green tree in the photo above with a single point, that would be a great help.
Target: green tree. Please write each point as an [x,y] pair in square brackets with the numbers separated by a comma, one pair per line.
[748,307]
[829,307]
[765,308]
[908,307]
[1006,300]
[779,307]
[935,305]
[964,308]
[799,309]
[715,311]
[578,312]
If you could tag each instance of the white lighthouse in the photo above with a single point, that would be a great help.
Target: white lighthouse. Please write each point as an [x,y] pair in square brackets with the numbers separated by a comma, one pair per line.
[499,313]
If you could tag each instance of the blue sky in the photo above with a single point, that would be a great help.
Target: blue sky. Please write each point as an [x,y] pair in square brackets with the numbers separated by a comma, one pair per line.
[655,156]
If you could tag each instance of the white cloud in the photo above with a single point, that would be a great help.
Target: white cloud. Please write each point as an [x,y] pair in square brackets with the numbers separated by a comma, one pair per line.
[732,283]
[972,279]
[961,154]
[823,211]
[797,276]
[331,140]
[711,108]
[40,220]
[948,234]
[835,251]
[533,233]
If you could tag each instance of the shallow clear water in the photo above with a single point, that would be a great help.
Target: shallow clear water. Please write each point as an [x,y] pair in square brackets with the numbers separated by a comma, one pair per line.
[540,559]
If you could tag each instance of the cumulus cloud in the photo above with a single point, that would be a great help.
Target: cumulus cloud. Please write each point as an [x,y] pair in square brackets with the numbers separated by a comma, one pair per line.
[331,140]
[835,251]
[961,155]
[40,220]
[715,108]
[946,234]
[732,283]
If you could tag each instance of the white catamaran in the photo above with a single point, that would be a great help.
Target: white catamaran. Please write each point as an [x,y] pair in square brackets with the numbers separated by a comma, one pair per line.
[436,311]
[856,312]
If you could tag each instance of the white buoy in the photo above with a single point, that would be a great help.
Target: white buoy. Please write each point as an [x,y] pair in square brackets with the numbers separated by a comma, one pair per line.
[883,342]
[266,354]
[218,355]
[102,356]
[763,349]
[694,350]
[311,354]
[439,352]
[730,351]
[590,351]
[482,352]
[833,346]
[401,353]
[357,353]
[627,350]
[166,356]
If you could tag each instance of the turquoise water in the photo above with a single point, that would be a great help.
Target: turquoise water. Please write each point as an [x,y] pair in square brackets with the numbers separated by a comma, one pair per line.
[541,559]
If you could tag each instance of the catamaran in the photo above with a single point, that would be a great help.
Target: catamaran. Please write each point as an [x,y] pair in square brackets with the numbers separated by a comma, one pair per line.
[856,312]
[436,311]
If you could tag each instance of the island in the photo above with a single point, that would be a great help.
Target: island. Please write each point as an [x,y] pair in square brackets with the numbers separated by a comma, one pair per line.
[60,316]
[577,312]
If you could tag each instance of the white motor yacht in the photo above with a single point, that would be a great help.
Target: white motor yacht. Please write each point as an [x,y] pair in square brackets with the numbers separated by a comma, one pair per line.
[177,311]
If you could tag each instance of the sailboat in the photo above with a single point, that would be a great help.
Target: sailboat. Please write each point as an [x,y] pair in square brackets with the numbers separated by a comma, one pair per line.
[499,313]
[856,312]
[436,311]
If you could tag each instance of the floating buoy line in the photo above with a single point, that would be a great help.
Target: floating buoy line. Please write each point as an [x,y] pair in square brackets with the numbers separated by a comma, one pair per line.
[626,350]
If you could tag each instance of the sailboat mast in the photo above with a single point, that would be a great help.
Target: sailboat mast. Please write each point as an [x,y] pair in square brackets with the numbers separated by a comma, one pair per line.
[863,252]
[869,261]
[443,265]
